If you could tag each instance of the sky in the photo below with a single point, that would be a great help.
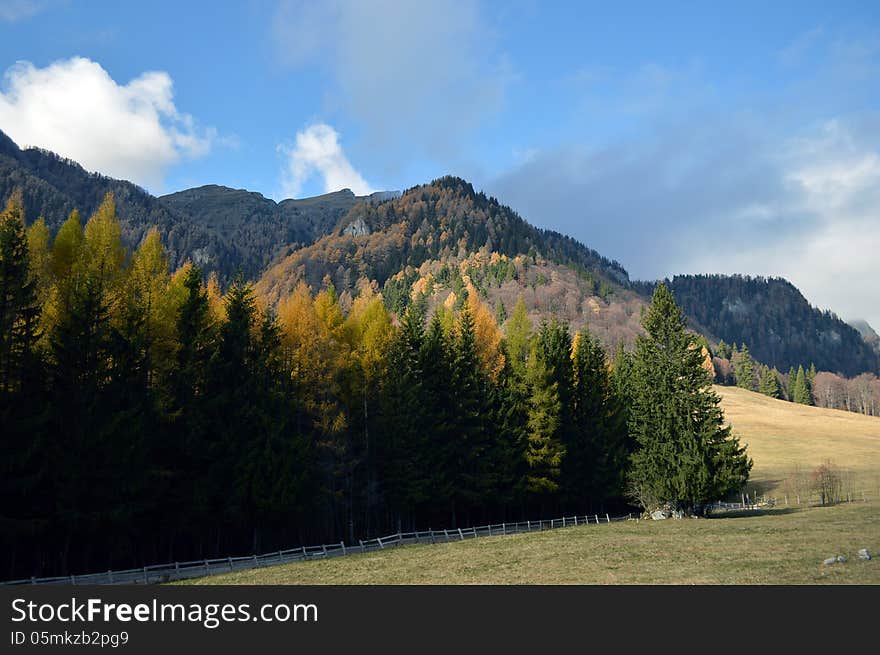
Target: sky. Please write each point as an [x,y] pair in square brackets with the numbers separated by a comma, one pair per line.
[673,137]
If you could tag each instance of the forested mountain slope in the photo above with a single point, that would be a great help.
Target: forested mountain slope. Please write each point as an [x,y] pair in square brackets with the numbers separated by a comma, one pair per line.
[220,229]
[779,325]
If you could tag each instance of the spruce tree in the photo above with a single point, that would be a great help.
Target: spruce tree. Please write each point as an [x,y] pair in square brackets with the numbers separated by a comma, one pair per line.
[801,390]
[744,369]
[769,382]
[685,455]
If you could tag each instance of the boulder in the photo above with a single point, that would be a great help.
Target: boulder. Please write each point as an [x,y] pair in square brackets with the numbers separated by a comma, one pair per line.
[830,561]
[864,554]
[659,514]
[841,558]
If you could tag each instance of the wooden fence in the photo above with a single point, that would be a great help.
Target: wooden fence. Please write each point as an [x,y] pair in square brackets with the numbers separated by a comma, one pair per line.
[159,573]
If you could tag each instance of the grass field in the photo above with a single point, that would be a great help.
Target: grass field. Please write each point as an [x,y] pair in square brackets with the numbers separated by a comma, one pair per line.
[782,436]
[782,545]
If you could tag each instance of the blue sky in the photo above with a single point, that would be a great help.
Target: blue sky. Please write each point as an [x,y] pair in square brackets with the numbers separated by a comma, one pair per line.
[673,137]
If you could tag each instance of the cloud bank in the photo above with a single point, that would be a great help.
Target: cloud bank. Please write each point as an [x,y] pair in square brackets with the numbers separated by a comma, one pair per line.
[317,151]
[417,75]
[693,181]
[74,108]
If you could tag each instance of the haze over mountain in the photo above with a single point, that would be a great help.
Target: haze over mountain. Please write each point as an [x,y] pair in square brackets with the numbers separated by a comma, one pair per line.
[436,239]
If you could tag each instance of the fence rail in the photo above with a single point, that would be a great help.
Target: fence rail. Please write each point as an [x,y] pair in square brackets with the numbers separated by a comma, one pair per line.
[159,573]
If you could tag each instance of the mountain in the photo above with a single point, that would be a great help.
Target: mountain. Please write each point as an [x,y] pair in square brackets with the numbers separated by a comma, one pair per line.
[868,334]
[770,315]
[435,239]
[221,229]
[438,221]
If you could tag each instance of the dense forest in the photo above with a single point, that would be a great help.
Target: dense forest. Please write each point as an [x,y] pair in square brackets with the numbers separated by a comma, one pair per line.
[150,416]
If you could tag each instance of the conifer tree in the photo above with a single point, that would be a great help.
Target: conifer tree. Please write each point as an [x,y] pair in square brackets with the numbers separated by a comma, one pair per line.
[744,369]
[769,382]
[684,455]
[801,390]
[545,450]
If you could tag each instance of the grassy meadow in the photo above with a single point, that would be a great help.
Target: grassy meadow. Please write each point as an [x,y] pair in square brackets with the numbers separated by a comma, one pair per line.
[779,545]
[785,439]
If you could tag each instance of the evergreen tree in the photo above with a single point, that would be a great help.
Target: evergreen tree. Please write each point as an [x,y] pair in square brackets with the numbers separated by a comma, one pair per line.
[545,450]
[790,382]
[595,450]
[769,382]
[744,369]
[801,389]
[19,306]
[25,505]
[685,454]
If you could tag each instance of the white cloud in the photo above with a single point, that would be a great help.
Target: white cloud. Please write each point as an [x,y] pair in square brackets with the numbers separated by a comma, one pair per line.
[12,11]
[74,108]
[417,75]
[317,152]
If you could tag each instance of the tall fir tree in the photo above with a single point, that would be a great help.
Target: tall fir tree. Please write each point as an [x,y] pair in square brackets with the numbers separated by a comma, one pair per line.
[801,389]
[744,369]
[685,455]
[769,382]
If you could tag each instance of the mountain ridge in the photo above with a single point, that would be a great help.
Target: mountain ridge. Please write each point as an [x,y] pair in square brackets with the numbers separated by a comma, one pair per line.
[407,239]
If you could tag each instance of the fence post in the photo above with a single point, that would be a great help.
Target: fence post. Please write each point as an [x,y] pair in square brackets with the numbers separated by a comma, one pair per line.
[255,560]
[607,518]
[361,542]
[229,559]
[305,555]
[381,545]
[460,534]
[446,533]
[529,525]
[342,543]
[575,519]
[206,567]
[324,549]
[432,536]
[504,528]
[597,518]
[563,521]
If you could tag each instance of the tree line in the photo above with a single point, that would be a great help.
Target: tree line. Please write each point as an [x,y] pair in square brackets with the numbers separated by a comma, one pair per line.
[150,416]
[807,386]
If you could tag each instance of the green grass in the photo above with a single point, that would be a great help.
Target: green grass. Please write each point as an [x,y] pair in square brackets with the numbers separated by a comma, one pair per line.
[779,546]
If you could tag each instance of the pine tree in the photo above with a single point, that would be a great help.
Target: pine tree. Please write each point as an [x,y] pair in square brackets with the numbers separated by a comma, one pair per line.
[596,448]
[19,305]
[26,501]
[545,450]
[790,381]
[801,390]
[744,369]
[685,454]
[769,382]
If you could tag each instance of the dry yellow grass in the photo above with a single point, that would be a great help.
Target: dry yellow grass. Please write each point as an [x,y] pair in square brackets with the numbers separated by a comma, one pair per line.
[782,436]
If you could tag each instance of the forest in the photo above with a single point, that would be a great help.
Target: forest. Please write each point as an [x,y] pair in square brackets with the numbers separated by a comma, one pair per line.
[149,415]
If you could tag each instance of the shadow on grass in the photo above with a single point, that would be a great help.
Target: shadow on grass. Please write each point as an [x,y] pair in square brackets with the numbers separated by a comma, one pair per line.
[744,513]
